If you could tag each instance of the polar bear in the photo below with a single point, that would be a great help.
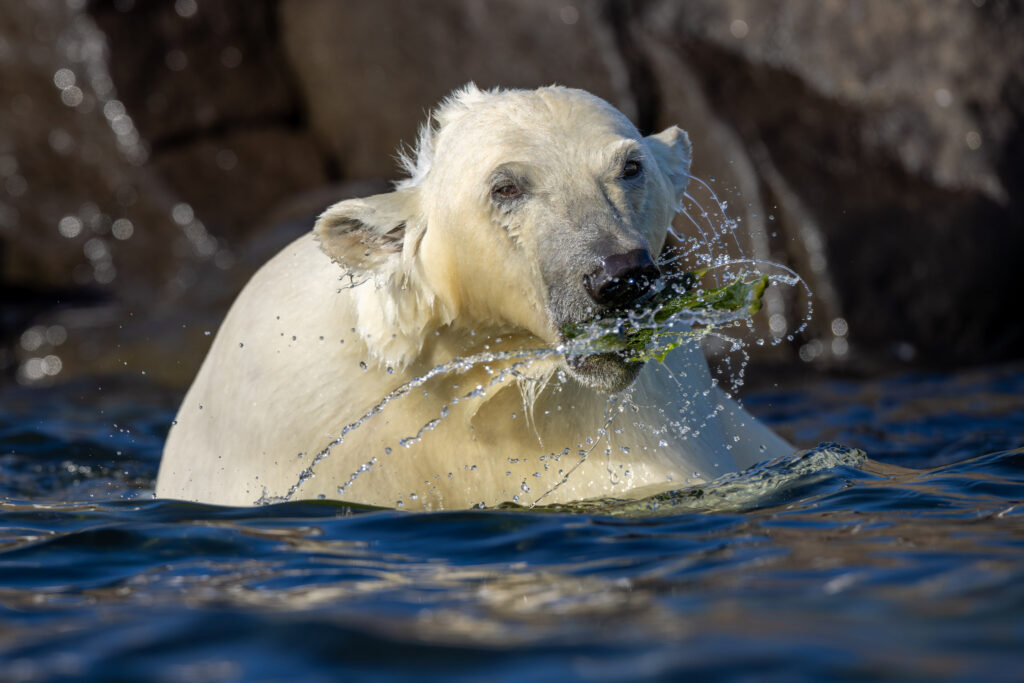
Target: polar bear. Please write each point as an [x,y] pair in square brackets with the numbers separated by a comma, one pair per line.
[407,352]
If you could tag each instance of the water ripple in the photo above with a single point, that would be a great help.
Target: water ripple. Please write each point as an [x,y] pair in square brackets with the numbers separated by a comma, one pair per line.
[828,564]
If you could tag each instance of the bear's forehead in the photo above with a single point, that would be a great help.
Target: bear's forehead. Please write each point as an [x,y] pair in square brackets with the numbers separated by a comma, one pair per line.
[527,126]
[543,113]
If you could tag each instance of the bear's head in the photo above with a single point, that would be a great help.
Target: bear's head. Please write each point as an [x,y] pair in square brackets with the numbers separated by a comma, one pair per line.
[524,210]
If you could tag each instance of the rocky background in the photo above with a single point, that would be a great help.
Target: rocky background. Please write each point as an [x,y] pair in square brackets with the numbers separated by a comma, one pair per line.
[153,154]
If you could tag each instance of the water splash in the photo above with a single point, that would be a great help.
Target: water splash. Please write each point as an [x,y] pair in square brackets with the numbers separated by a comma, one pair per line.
[709,250]
[614,406]
[758,486]
[456,365]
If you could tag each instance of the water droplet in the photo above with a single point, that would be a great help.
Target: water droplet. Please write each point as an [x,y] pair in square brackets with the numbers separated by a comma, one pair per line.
[122,229]
[72,96]
[70,226]
[185,8]
[64,78]
[183,215]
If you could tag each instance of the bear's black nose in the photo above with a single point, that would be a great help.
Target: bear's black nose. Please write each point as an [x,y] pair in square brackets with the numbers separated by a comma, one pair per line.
[622,278]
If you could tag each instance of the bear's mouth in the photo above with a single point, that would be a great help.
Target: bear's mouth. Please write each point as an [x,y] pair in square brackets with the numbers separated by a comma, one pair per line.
[604,371]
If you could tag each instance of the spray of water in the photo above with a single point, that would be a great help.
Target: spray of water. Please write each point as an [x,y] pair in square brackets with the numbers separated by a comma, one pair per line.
[763,485]
[708,250]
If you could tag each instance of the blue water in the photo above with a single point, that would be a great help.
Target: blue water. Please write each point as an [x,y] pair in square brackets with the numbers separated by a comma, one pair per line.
[837,568]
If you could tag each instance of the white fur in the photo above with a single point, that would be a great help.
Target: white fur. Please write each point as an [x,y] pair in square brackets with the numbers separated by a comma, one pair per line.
[391,286]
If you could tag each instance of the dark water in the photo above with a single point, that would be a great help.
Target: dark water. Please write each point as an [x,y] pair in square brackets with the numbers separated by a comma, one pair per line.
[835,569]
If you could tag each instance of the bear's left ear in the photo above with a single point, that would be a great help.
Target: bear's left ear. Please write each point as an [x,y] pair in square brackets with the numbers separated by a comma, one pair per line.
[672,150]
[370,234]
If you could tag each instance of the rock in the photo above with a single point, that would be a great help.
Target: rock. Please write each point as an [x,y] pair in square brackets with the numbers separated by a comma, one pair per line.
[233,180]
[203,67]
[212,97]
[876,148]
[83,221]
[886,138]
[71,163]
[370,71]
[99,242]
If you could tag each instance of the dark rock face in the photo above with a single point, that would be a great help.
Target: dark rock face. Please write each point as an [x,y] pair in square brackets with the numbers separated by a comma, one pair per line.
[186,70]
[370,71]
[892,127]
[211,93]
[876,148]
[83,220]
[144,148]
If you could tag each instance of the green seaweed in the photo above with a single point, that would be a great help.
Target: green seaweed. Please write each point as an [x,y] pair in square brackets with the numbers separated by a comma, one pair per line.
[640,336]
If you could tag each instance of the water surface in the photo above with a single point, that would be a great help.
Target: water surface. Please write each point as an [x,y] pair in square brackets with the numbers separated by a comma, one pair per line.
[823,566]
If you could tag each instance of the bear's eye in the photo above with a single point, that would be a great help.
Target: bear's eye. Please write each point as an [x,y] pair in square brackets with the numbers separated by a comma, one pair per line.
[506,191]
[631,168]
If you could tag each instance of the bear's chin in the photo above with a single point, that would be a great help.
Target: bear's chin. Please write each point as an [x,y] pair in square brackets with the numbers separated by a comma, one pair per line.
[604,372]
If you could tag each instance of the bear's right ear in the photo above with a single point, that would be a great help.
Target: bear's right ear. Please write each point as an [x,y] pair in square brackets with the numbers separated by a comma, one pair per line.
[370,233]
